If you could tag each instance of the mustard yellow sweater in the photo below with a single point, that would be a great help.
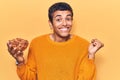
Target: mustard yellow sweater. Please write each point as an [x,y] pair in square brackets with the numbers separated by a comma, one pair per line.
[49,60]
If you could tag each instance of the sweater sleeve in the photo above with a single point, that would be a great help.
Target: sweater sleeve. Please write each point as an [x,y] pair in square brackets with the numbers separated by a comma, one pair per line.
[87,70]
[28,70]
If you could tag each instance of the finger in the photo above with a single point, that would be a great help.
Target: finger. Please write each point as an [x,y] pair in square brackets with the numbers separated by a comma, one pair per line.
[99,44]
[102,45]
[15,56]
[10,48]
[94,43]
[11,44]
[19,53]
[13,50]
[93,40]
[8,45]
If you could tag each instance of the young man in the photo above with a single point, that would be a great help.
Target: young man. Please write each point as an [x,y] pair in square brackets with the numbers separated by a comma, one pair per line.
[59,55]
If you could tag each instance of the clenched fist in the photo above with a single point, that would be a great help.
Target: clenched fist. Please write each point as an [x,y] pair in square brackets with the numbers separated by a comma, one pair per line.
[16,47]
[94,46]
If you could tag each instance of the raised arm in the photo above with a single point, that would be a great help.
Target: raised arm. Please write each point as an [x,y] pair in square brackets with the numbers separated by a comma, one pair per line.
[87,68]
[16,47]
[94,46]
[25,71]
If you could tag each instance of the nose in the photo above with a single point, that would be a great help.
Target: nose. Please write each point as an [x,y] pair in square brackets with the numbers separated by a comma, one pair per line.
[64,22]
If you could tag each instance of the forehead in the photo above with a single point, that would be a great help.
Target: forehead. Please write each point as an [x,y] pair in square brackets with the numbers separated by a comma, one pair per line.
[62,13]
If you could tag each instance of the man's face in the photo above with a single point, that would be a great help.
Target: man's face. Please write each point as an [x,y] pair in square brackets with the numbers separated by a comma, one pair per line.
[62,23]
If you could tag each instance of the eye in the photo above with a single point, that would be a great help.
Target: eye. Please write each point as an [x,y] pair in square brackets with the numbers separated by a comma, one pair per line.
[58,20]
[69,19]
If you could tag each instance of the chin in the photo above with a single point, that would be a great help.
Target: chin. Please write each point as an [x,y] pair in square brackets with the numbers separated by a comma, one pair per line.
[65,35]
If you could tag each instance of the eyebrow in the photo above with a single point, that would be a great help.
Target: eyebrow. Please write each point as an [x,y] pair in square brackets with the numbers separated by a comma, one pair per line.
[57,16]
[60,15]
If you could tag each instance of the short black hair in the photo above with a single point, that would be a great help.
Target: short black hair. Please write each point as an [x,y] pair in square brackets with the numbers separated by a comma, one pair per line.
[62,6]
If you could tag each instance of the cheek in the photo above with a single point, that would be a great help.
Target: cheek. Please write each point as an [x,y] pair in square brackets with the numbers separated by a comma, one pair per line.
[57,24]
[69,23]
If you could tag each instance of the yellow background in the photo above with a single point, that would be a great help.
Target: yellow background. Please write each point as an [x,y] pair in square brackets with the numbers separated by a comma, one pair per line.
[92,19]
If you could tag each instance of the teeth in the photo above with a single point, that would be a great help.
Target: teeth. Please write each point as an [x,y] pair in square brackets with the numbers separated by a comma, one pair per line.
[64,29]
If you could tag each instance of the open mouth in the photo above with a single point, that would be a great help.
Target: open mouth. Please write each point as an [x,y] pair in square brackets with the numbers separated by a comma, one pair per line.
[66,29]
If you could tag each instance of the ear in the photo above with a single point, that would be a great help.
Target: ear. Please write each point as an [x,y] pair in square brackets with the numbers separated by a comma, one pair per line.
[50,24]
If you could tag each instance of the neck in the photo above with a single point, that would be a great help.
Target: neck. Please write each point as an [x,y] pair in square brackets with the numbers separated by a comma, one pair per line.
[58,38]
